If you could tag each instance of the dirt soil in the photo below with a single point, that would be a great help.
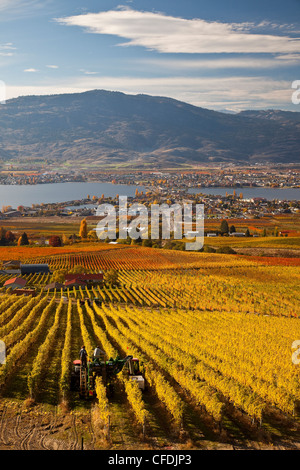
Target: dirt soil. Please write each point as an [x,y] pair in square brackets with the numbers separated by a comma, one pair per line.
[38,428]
[265,251]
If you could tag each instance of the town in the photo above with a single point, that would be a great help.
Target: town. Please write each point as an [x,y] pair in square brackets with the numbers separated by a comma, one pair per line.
[229,176]
[231,205]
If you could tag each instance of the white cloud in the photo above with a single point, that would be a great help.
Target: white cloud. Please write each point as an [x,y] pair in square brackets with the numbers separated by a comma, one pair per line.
[7,45]
[7,49]
[18,5]
[31,70]
[87,72]
[209,92]
[52,66]
[168,34]
[223,63]
[4,4]
[289,57]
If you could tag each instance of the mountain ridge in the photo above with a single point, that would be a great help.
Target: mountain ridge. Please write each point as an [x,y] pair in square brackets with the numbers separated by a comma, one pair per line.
[113,128]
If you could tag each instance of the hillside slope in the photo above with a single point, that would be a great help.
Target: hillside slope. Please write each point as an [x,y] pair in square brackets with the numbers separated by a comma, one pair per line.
[112,127]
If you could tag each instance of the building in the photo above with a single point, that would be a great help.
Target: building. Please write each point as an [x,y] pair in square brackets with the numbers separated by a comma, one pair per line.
[31,292]
[237,234]
[53,286]
[87,278]
[11,264]
[75,283]
[13,213]
[34,268]
[15,283]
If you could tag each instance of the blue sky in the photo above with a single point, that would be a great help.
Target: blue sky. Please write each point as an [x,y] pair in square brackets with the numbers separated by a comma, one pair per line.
[223,55]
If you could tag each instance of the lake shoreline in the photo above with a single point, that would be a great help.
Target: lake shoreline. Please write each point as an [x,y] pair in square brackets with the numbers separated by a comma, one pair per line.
[76,193]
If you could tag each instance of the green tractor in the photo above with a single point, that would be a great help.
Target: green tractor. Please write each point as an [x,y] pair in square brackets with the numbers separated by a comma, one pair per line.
[83,378]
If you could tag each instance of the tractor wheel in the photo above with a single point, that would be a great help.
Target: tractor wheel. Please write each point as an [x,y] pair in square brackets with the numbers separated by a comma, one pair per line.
[110,391]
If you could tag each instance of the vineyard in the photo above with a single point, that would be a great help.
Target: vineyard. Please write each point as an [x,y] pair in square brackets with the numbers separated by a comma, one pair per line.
[214,334]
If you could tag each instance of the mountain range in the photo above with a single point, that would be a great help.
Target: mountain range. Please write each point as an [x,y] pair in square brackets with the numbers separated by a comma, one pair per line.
[113,128]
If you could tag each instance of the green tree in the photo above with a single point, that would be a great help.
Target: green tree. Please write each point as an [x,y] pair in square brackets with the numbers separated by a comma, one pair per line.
[59,276]
[3,239]
[78,269]
[224,229]
[111,277]
[23,240]
[147,242]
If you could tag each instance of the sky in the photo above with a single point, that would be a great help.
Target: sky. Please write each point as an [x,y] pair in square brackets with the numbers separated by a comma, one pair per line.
[225,55]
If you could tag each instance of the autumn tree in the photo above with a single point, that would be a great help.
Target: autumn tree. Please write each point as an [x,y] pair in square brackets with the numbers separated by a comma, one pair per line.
[83,229]
[111,277]
[6,208]
[59,276]
[23,240]
[92,235]
[66,240]
[10,237]
[55,240]
[78,269]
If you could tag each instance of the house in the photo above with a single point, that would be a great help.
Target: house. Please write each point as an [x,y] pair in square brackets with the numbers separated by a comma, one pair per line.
[75,283]
[15,272]
[211,235]
[15,283]
[53,286]
[192,234]
[11,264]
[258,199]
[237,234]
[34,268]
[92,278]
[284,233]
[13,213]
[31,292]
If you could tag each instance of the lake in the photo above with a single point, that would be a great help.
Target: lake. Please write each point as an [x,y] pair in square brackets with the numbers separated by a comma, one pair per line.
[268,193]
[26,195]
